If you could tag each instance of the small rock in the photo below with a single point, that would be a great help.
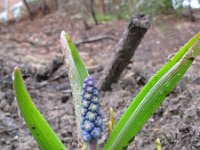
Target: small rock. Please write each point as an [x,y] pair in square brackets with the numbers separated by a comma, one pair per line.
[43,73]
[9,123]
[128,80]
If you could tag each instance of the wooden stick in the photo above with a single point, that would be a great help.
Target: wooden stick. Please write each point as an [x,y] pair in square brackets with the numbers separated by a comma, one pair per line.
[125,49]
[95,39]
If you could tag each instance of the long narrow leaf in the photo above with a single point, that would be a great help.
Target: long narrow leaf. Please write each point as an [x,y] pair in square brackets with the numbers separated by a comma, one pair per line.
[152,95]
[40,129]
[77,72]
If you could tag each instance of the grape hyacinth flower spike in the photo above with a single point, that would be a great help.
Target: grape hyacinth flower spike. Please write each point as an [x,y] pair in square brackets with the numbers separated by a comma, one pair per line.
[91,124]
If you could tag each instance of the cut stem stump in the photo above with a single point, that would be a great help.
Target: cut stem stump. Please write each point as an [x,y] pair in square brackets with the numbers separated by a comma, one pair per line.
[125,49]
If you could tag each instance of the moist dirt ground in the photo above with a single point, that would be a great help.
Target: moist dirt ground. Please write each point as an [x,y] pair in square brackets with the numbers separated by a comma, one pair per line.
[34,47]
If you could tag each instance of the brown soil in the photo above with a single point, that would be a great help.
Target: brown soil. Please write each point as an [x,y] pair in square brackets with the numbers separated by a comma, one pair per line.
[34,47]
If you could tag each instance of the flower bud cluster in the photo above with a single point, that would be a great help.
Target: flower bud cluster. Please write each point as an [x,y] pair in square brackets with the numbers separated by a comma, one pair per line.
[91,123]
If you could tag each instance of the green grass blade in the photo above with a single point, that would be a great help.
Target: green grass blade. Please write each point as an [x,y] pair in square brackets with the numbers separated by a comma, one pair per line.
[41,131]
[152,95]
[77,72]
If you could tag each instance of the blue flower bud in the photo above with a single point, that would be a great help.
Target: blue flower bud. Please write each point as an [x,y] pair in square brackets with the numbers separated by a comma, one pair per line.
[86,136]
[96,132]
[89,89]
[85,104]
[95,92]
[88,126]
[83,111]
[98,122]
[87,96]
[95,99]
[93,107]
[91,121]
[91,116]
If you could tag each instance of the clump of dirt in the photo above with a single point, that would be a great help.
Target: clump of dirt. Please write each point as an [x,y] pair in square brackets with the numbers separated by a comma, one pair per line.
[34,47]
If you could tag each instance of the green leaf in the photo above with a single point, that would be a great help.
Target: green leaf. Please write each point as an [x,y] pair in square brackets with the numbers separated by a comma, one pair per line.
[77,72]
[152,95]
[41,131]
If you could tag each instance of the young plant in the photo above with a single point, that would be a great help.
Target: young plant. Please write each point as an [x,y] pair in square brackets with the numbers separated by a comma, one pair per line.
[37,125]
[87,102]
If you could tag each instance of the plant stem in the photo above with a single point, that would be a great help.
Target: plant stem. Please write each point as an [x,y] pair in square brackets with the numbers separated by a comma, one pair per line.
[92,145]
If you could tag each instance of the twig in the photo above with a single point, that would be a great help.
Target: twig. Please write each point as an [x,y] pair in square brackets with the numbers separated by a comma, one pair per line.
[78,43]
[95,39]
[125,49]
[63,72]
[22,41]
[30,42]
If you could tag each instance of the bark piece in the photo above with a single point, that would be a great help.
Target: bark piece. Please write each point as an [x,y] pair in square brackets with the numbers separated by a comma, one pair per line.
[95,39]
[125,49]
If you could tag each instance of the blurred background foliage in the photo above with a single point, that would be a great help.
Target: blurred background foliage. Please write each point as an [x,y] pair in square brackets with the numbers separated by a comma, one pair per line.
[124,9]
[97,10]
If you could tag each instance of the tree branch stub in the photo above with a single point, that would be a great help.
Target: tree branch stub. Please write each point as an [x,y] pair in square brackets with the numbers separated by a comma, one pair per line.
[125,50]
